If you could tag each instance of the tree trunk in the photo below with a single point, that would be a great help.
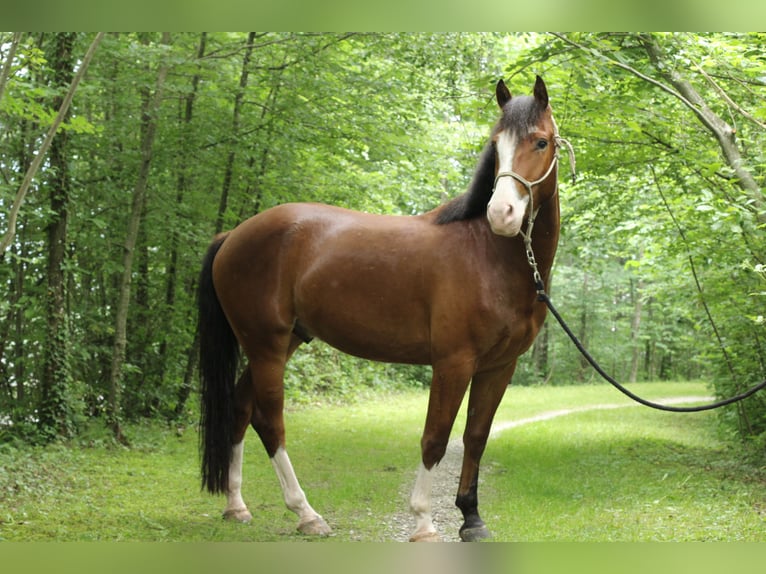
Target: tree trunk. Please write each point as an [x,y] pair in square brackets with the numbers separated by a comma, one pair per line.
[182,184]
[19,324]
[253,196]
[541,354]
[650,348]
[54,411]
[717,126]
[238,99]
[583,330]
[148,129]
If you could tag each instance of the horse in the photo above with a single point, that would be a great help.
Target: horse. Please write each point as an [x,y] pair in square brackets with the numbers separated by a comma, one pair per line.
[449,288]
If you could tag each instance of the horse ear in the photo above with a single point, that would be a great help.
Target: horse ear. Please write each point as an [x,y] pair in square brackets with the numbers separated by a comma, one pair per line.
[502,93]
[541,92]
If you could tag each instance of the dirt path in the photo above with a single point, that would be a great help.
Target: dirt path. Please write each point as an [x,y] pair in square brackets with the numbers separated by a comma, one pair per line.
[447,517]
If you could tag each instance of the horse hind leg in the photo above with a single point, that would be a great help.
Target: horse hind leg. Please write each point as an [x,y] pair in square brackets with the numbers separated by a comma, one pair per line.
[310,522]
[268,422]
[236,509]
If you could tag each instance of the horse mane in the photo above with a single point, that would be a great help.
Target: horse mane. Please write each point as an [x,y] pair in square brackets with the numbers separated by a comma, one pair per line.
[472,203]
[520,114]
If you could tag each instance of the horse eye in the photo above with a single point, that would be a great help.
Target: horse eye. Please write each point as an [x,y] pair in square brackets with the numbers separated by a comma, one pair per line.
[542,144]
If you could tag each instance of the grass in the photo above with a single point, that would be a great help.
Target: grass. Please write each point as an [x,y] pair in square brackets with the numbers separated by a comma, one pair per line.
[623,474]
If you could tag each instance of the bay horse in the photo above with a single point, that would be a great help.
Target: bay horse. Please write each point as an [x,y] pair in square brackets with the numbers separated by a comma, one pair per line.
[450,288]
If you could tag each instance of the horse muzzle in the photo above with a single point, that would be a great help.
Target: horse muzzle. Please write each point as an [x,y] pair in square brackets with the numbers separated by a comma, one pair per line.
[506,217]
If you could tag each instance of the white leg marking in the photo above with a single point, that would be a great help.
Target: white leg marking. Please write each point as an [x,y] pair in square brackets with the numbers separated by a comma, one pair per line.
[236,509]
[420,504]
[295,498]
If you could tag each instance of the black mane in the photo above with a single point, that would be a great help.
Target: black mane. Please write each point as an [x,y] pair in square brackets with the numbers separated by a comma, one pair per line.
[519,115]
[473,203]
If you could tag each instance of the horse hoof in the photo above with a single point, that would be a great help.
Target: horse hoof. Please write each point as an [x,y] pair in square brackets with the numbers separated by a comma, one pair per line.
[475,534]
[426,537]
[238,515]
[315,527]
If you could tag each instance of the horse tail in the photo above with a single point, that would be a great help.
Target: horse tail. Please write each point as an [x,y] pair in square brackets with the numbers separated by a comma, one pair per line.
[218,364]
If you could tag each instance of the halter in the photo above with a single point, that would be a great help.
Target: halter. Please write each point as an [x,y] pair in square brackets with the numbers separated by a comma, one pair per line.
[558,141]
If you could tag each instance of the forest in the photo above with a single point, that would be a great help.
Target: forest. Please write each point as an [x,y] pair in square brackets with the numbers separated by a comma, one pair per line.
[123,154]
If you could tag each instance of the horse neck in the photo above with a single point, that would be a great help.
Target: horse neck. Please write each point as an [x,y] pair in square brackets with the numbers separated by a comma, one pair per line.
[545,235]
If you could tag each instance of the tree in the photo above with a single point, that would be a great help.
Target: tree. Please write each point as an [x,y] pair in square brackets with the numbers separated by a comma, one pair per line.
[165,142]
[648,110]
[35,165]
[150,108]
[54,411]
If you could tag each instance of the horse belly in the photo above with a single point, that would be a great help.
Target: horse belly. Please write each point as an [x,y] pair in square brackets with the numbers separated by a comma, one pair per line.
[366,313]
[376,345]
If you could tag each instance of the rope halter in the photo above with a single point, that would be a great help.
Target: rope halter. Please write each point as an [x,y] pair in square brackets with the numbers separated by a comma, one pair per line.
[557,142]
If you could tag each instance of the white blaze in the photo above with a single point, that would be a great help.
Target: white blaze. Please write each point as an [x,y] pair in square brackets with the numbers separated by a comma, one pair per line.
[508,204]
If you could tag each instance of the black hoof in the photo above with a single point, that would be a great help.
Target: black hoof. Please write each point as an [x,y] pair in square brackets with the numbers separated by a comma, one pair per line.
[475,533]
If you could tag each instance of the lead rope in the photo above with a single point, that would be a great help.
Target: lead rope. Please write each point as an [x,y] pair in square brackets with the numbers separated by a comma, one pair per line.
[545,298]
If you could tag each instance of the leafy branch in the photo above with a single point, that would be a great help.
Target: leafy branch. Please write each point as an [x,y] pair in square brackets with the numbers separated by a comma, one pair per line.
[41,153]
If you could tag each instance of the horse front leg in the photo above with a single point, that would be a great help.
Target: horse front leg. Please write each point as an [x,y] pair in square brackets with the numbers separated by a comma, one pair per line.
[487,391]
[448,386]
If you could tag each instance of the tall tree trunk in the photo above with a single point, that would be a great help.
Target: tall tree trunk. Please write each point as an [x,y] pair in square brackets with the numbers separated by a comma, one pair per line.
[148,129]
[541,353]
[54,411]
[182,184]
[19,324]
[650,348]
[15,354]
[238,99]
[253,196]
[583,330]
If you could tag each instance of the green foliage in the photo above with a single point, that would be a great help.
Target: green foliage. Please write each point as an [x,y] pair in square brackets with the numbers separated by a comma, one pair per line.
[659,221]
[388,123]
[319,373]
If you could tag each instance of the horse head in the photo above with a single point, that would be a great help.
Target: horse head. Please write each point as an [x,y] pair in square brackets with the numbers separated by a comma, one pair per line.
[525,141]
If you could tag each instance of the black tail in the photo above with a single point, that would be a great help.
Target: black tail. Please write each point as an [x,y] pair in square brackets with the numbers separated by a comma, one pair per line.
[218,362]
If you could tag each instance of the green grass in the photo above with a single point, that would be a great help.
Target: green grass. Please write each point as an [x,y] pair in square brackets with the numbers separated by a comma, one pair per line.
[629,474]
[623,474]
